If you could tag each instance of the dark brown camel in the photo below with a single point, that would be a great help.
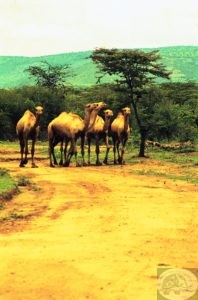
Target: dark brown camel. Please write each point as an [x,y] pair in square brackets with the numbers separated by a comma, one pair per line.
[99,131]
[28,128]
[120,131]
[69,127]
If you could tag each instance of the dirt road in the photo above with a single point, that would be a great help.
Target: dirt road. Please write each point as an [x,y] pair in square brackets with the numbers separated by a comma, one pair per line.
[95,233]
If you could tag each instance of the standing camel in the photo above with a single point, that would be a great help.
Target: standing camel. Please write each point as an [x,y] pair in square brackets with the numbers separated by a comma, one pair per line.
[99,131]
[28,128]
[69,127]
[120,132]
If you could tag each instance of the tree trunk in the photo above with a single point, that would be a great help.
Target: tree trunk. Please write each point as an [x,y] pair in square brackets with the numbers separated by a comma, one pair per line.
[143,133]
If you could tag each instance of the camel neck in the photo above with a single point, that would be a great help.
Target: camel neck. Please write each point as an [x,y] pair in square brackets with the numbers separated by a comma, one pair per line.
[37,120]
[106,124]
[91,120]
[87,118]
[126,123]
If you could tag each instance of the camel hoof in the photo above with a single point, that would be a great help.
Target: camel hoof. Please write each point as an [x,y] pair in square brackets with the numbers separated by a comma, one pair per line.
[120,161]
[105,162]
[34,166]
[21,166]
[25,161]
[60,163]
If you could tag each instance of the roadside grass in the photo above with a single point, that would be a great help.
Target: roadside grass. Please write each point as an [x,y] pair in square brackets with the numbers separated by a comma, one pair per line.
[190,179]
[23,181]
[8,186]
[175,156]
[13,215]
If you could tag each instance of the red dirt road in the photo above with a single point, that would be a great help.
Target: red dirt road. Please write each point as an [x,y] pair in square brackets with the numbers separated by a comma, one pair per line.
[95,233]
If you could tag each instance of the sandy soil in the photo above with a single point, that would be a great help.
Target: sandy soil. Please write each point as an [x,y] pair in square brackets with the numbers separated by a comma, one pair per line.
[95,232]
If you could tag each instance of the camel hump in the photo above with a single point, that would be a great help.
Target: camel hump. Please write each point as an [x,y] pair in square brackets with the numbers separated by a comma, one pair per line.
[63,114]
[27,112]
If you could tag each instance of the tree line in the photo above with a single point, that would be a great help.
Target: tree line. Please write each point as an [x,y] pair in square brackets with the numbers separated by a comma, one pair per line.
[166,111]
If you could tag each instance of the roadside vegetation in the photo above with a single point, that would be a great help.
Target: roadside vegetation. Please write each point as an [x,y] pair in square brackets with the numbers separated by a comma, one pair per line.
[8,186]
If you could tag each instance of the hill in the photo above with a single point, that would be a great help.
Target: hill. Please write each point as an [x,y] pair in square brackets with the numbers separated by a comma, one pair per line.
[181,60]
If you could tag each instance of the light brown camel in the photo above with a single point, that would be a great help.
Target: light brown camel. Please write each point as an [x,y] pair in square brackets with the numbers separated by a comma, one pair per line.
[99,131]
[69,127]
[28,128]
[120,132]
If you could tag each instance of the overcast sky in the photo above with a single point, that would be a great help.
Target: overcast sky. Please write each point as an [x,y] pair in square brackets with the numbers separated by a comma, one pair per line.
[40,27]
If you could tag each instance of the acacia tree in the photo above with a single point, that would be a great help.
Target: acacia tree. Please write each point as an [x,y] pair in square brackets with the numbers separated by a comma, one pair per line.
[50,76]
[133,70]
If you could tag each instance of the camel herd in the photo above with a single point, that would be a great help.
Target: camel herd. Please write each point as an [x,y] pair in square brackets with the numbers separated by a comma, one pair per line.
[67,128]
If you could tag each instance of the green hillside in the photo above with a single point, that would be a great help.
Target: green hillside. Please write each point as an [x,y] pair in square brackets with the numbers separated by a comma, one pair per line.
[181,60]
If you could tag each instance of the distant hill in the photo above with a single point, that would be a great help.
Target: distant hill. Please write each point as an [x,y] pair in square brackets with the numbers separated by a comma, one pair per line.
[181,60]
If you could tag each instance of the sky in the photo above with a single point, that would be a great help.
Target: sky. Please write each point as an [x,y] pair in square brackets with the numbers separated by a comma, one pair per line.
[42,27]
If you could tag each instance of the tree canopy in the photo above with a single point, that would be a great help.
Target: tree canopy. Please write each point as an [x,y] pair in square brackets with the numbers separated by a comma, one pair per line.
[134,70]
[50,76]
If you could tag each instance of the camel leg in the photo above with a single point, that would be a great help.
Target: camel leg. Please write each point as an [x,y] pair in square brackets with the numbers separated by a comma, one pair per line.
[25,160]
[61,154]
[32,153]
[83,149]
[89,150]
[119,141]
[71,152]
[119,155]
[105,161]
[75,152]
[114,151]
[122,152]
[51,146]
[98,163]
[65,152]
[22,145]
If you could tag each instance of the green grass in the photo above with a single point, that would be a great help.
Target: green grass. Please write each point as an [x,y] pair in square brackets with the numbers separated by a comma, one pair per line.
[7,184]
[13,216]
[23,181]
[176,156]
[187,178]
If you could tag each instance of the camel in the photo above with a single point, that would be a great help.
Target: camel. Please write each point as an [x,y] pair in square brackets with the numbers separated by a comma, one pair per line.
[120,132]
[99,131]
[28,128]
[69,127]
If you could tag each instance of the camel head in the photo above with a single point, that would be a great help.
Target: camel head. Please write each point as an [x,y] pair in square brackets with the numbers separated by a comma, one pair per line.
[38,110]
[108,113]
[126,111]
[90,106]
[99,105]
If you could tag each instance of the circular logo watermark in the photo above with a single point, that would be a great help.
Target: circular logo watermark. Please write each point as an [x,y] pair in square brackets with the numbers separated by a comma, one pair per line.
[177,284]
